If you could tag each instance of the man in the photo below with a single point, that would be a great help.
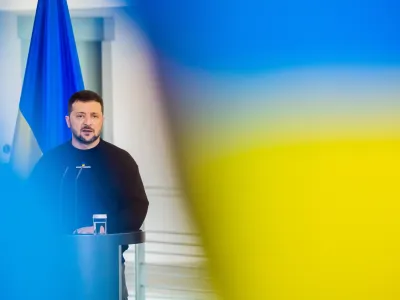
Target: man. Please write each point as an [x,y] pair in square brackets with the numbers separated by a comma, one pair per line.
[88,175]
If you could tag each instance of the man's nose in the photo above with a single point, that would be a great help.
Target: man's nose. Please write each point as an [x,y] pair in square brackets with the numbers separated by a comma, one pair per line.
[88,120]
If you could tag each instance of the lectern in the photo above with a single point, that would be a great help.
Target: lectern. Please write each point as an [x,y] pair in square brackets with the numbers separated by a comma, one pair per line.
[92,265]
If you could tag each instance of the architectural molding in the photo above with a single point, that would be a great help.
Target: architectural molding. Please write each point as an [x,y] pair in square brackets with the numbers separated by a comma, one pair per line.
[30,5]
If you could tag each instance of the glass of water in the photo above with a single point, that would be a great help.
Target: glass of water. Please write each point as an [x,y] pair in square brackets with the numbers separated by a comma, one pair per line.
[100,220]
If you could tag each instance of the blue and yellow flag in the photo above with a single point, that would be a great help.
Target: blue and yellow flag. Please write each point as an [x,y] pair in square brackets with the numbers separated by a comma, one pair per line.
[286,116]
[52,75]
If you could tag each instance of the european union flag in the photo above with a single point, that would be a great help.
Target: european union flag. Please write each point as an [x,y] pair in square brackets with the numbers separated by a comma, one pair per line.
[52,75]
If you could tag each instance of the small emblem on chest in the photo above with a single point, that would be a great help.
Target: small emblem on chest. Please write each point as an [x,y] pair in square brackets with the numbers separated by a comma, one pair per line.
[83,166]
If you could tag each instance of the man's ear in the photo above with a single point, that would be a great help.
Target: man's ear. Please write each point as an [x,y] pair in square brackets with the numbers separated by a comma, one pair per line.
[68,121]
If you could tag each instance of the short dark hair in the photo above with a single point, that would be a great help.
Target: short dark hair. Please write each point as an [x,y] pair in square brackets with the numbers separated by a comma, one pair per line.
[85,96]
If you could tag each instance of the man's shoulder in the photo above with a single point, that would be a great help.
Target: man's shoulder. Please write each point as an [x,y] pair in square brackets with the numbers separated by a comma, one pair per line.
[117,151]
[114,148]
[50,161]
[53,157]
[57,152]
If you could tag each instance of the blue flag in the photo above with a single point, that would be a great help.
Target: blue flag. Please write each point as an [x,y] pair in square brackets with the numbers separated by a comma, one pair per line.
[52,75]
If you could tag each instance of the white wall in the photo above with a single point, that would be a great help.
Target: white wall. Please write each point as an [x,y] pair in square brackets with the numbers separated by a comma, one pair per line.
[10,79]
[138,119]
[139,126]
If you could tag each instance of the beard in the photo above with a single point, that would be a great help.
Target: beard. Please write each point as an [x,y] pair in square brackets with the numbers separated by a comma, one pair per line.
[83,140]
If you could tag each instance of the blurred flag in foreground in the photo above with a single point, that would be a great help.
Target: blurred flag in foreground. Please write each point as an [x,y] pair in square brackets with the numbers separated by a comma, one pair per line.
[287,118]
[52,74]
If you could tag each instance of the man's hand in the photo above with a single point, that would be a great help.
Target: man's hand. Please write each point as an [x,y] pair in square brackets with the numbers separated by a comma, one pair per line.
[87,230]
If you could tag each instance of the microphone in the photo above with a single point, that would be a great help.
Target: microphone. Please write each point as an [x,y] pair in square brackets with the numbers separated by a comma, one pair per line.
[61,200]
[76,198]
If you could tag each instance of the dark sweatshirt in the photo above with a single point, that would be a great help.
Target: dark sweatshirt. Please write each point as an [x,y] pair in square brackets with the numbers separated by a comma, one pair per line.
[71,185]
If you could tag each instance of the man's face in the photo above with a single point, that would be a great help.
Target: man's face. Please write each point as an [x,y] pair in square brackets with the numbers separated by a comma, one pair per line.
[85,121]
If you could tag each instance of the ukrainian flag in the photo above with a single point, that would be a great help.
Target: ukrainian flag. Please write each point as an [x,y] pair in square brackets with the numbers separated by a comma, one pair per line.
[52,75]
[287,119]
